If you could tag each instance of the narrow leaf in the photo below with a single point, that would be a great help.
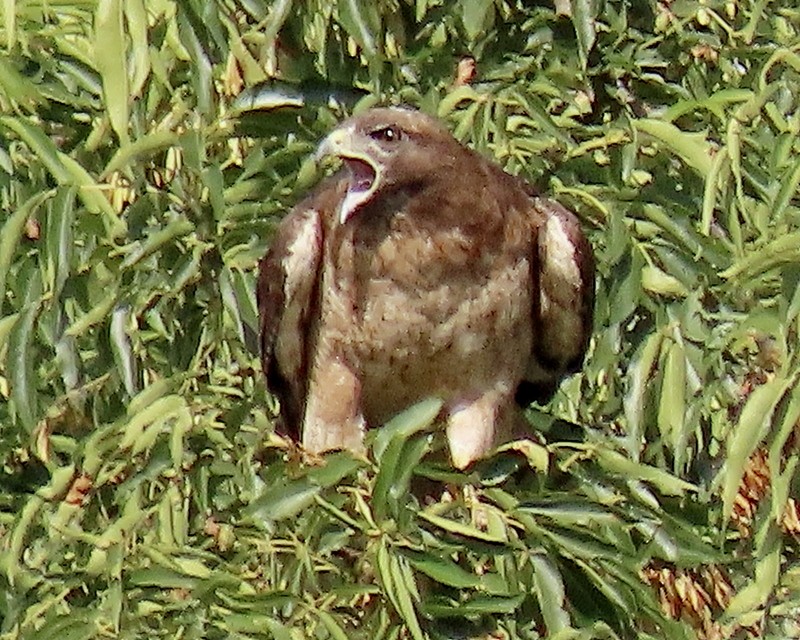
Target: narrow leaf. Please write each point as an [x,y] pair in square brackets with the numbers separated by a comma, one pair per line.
[443,569]
[283,501]
[753,425]
[583,16]
[640,372]
[784,250]
[693,148]
[459,528]
[361,21]
[414,419]
[550,591]
[21,358]
[405,594]
[616,463]
[136,21]
[10,235]
[66,171]
[59,238]
[110,42]
[672,401]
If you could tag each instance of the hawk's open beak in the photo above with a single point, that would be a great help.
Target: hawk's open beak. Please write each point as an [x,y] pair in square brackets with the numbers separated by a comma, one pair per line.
[346,144]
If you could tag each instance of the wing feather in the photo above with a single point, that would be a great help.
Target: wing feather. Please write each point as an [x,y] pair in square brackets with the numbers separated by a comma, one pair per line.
[287,301]
[563,276]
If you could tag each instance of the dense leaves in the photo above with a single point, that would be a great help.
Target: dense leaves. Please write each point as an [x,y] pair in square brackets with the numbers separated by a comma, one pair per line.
[147,150]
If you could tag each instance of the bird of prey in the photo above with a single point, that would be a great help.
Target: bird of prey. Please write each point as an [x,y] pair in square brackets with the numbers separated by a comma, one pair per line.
[420,269]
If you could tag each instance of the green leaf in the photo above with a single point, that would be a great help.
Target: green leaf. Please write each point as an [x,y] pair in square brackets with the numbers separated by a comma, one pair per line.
[477,17]
[59,237]
[14,85]
[337,467]
[138,251]
[615,463]
[253,623]
[672,405]
[98,313]
[136,22]
[476,606]
[14,566]
[781,251]
[549,587]
[402,580]
[21,356]
[75,627]
[583,17]
[413,420]
[144,147]
[752,426]
[659,282]
[192,38]
[394,475]
[121,348]
[567,513]
[283,500]
[681,230]
[157,576]
[693,148]
[537,455]
[10,235]
[110,45]
[279,11]
[716,175]
[398,583]
[640,372]
[155,414]
[460,529]
[333,627]
[755,595]
[362,22]
[443,570]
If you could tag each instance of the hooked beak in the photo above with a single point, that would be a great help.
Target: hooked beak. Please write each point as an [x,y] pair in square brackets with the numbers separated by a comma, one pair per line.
[364,172]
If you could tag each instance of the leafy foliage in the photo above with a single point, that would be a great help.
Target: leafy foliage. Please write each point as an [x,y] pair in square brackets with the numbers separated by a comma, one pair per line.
[148,149]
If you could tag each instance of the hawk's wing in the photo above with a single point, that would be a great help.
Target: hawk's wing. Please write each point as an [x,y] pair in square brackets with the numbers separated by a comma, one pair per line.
[562,313]
[287,294]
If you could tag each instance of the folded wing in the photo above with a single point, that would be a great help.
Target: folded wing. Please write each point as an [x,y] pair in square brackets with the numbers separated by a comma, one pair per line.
[287,300]
[564,274]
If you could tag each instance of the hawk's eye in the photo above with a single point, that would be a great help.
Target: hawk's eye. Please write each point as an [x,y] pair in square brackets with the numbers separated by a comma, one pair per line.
[386,134]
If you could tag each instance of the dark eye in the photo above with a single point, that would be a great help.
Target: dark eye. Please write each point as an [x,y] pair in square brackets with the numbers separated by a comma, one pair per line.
[386,134]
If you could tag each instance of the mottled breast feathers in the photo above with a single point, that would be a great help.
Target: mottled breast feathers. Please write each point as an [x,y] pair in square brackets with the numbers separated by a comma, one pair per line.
[420,269]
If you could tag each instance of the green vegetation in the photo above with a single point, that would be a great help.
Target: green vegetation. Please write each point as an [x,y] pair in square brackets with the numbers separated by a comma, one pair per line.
[142,493]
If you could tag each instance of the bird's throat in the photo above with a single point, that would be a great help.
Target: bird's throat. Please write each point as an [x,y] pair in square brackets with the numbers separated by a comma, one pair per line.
[362,183]
[362,175]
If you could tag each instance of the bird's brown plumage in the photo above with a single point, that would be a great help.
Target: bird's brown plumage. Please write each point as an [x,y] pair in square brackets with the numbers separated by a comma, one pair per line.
[421,269]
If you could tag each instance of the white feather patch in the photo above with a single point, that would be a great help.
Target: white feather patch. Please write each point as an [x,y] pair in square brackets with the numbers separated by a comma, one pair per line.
[472,426]
[561,260]
[470,433]
[301,256]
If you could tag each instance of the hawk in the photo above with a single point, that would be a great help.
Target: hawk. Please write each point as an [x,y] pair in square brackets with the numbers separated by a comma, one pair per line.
[420,269]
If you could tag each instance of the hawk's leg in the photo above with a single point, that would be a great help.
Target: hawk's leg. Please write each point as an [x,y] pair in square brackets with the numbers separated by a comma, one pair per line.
[333,418]
[474,427]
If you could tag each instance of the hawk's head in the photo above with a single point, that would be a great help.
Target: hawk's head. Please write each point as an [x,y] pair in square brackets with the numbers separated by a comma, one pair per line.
[385,150]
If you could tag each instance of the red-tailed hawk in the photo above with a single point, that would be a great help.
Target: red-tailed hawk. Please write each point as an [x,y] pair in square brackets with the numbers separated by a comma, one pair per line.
[420,269]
